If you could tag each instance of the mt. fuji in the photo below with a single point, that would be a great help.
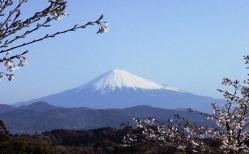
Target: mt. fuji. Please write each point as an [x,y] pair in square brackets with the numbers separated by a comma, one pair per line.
[120,89]
[119,79]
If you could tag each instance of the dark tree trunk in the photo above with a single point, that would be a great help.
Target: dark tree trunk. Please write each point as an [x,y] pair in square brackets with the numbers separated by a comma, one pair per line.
[3,129]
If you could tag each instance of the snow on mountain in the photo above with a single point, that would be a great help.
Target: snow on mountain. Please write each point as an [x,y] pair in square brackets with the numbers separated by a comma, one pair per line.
[118,79]
[121,89]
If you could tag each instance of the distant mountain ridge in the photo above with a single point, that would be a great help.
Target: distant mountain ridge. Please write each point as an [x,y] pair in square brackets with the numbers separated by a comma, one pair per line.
[121,89]
[38,107]
[40,116]
[5,108]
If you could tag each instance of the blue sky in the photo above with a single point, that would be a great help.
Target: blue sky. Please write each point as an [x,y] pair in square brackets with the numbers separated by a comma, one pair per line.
[189,44]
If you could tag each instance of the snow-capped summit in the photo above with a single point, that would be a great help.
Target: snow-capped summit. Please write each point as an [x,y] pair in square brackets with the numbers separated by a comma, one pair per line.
[118,79]
[120,89]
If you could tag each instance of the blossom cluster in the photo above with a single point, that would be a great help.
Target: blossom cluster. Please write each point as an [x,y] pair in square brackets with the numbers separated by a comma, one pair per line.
[178,133]
[12,63]
[231,130]
[232,117]
[58,11]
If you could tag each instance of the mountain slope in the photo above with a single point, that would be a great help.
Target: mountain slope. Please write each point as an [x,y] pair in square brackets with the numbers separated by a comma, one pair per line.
[118,79]
[37,106]
[4,108]
[120,89]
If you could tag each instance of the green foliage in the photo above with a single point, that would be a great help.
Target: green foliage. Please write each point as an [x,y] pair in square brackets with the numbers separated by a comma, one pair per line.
[97,141]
